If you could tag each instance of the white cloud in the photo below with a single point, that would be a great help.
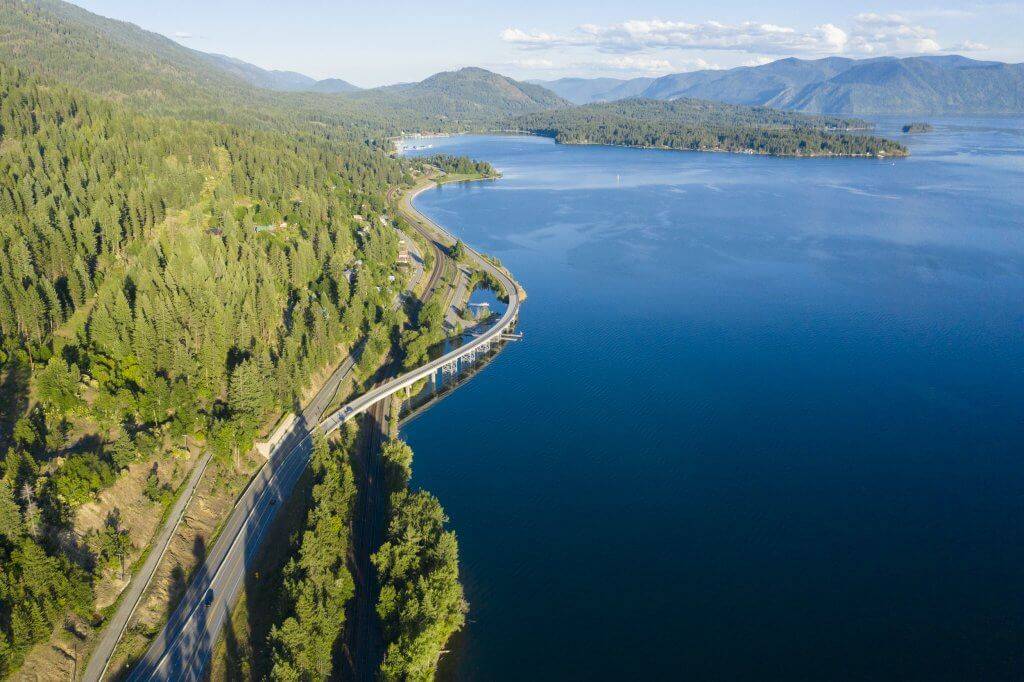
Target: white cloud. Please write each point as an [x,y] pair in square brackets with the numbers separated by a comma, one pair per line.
[868,34]
[637,64]
[184,35]
[620,65]
[525,39]
[532,63]
[881,34]
[967,46]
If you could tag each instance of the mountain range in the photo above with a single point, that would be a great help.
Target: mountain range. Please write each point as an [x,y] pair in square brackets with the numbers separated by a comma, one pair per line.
[123,62]
[948,84]
[283,81]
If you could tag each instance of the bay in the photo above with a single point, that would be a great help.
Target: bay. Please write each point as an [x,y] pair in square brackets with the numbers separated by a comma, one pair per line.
[765,422]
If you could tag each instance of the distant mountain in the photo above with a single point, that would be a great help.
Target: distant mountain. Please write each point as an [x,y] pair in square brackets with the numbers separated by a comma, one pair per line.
[333,85]
[284,81]
[469,94]
[948,84]
[919,85]
[587,90]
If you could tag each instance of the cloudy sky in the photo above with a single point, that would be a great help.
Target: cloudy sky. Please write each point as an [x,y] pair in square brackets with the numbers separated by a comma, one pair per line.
[373,43]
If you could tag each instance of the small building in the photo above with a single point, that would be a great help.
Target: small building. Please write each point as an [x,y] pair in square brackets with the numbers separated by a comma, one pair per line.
[403,253]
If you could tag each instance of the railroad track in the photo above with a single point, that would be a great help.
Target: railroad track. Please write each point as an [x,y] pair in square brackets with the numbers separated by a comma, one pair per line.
[442,263]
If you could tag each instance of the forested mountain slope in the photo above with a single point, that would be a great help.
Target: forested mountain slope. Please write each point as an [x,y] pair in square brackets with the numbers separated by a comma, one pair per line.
[123,62]
[588,90]
[160,278]
[284,81]
[700,125]
[467,95]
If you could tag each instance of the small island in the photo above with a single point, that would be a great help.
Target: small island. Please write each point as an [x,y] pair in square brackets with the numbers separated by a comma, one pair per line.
[700,125]
[918,127]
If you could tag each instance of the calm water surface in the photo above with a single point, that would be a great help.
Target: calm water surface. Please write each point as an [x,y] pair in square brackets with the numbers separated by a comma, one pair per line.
[767,421]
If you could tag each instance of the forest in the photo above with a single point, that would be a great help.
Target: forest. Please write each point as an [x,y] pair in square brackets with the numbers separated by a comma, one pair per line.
[460,165]
[162,278]
[699,125]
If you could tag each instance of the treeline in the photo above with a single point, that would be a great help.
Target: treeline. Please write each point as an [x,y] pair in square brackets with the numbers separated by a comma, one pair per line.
[462,165]
[318,583]
[38,588]
[160,278]
[421,602]
[698,125]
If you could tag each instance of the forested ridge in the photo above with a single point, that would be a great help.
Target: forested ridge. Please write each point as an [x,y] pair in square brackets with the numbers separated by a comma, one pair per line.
[152,73]
[699,125]
[161,278]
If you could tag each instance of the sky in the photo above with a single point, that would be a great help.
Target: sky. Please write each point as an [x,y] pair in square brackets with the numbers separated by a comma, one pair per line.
[375,43]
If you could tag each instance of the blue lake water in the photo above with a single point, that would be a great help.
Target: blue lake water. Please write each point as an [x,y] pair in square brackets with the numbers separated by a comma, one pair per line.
[767,421]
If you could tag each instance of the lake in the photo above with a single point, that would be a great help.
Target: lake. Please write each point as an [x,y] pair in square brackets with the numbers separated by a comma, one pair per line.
[766,421]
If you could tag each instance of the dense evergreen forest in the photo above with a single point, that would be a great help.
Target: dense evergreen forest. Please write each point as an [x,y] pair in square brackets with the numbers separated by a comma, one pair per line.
[161,278]
[461,165]
[180,254]
[421,602]
[699,125]
[318,584]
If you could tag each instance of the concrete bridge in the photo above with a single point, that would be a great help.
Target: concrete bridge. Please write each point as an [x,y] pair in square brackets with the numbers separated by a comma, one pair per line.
[447,363]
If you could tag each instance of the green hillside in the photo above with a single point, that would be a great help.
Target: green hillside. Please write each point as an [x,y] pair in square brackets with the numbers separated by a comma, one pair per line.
[122,62]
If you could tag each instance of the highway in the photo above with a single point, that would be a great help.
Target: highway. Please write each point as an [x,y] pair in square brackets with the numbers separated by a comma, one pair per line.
[182,649]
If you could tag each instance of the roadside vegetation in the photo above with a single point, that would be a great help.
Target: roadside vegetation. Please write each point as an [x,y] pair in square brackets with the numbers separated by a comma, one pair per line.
[317,581]
[421,601]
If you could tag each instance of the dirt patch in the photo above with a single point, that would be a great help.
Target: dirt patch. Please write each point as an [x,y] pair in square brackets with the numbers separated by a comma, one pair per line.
[58,657]
[210,507]
[138,514]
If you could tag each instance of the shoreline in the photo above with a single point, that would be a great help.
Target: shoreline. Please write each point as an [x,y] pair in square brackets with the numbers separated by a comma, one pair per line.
[407,198]
[739,152]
